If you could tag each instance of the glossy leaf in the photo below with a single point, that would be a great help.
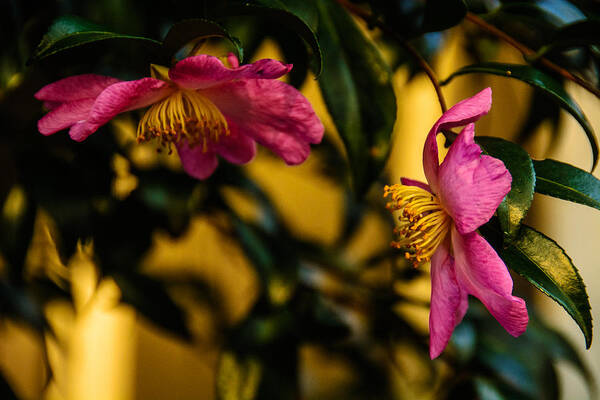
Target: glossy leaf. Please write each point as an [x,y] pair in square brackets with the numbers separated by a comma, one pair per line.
[70,31]
[298,15]
[567,182]
[413,18]
[357,88]
[237,378]
[545,264]
[540,80]
[197,28]
[580,33]
[515,205]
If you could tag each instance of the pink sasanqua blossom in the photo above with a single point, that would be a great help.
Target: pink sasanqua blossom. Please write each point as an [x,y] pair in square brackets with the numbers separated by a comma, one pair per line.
[200,106]
[438,222]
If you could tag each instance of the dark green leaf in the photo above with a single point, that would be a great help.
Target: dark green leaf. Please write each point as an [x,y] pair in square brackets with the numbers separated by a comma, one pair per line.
[413,18]
[534,77]
[185,31]
[16,303]
[486,390]
[559,348]
[70,31]
[567,182]
[580,33]
[357,88]
[515,205]
[546,265]
[442,14]
[297,15]
[238,378]
[6,391]
[149,297]
[16,229]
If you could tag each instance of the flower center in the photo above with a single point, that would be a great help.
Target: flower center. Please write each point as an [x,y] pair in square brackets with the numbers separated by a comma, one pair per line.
[184,115]
[423,222]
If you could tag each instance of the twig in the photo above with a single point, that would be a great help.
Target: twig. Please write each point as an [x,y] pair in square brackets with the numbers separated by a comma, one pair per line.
[526,51]
[372,21]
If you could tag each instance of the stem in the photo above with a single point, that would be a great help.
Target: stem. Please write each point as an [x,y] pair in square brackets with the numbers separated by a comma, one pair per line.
[526,51]
[373,21]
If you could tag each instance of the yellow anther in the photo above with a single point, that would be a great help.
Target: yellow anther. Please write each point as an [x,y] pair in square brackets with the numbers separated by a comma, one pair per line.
[422,222]
[184,115]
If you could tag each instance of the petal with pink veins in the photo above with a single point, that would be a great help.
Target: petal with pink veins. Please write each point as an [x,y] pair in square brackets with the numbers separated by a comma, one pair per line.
[271,112]
[480,272]
[77,87]
[471,186]
[64,116]
[195,162]
[236,148]
[448,302]
[118,98]
[204,71]
[462,113]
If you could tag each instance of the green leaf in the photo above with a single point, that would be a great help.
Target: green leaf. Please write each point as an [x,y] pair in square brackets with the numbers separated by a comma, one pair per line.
[185,31]
[580,33]
[442,14]
[486,390]
[238,378]
[538,79]
[6,391]
[357,87]
[414,18]
[150,298]
[546,265]
[17,218]
[298,15]
[559,348]
[567,182]
[515,205]
[70,31]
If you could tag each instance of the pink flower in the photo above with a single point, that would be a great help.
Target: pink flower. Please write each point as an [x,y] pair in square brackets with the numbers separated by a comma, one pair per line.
[438,223]
[202,107]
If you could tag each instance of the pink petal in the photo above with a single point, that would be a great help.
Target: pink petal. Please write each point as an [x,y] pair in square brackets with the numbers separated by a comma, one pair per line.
[65,115]
[271,112]
[195,162]
[75,88]
[120,97]
[203,71]
[471,186]
[411,182]
[236,148]
[480,272]
[462,113]
[448,302]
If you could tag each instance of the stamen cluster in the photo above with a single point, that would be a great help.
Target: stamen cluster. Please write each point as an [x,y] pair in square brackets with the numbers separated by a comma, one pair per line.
[423,222]
[184,115]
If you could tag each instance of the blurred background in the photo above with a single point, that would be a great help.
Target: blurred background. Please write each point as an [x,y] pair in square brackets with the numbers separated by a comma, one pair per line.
[136,281]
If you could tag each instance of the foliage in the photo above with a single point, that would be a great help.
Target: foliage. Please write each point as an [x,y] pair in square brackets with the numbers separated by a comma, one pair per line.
[309,290]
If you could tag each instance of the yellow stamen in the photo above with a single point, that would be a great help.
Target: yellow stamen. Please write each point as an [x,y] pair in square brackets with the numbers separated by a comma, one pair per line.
[184,115]
[422,223]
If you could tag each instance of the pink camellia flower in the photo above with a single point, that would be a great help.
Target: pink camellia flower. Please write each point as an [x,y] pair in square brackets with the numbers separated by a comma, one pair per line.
[200,106]
[438,223]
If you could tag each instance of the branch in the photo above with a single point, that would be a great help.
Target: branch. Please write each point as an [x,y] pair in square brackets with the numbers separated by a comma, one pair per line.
[373,21]
[527,52]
